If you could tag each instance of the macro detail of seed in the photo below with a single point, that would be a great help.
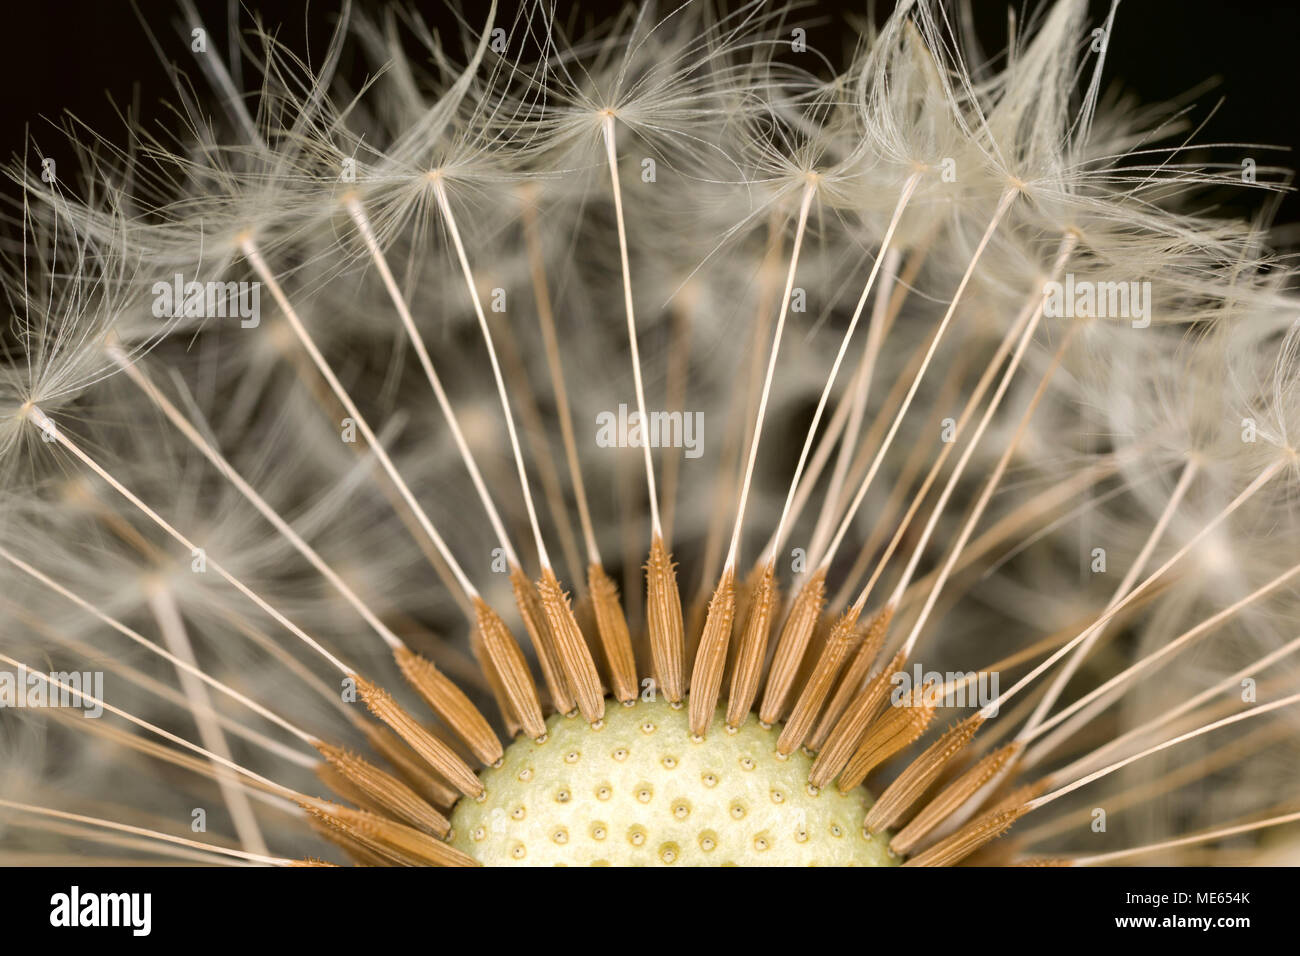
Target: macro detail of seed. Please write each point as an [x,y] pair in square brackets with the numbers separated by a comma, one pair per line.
[639,791]
[353,447]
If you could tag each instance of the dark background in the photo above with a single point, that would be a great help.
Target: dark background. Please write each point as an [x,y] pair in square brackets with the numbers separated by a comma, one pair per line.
[75,54]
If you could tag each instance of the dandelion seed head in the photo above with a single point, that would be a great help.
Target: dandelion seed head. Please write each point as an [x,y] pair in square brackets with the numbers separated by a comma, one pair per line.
[401,512]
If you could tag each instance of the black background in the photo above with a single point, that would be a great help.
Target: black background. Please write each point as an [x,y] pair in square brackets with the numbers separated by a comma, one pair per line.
[1018,910]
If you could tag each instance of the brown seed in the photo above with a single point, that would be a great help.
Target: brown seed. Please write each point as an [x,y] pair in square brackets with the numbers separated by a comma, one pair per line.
[436,753]
[414,771]
[386,790]
[711,658]
[508,660]
[951,797]
[790,647]
[888,734]
[851,727]
[968,839]
[664,621]
[818,686]
[403,845]
[854,675]
[359,853]
[611,625]
[571,647]
[493,676]
[539,632]
[907,788]
[752,652]
[450,703]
